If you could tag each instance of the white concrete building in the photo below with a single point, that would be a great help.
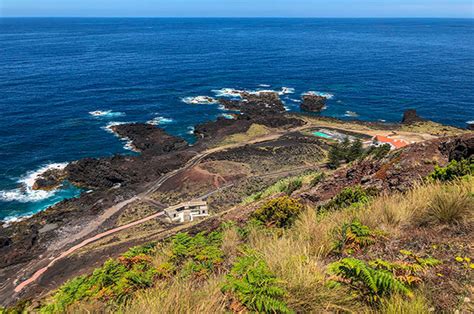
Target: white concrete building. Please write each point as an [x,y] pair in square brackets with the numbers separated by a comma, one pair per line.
[187,211]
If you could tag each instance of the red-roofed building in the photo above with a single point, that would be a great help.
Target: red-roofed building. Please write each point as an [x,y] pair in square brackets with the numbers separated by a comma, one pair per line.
[394,143]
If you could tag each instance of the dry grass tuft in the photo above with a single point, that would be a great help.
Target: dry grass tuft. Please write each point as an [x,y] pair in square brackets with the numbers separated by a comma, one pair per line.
[452,204]
[401,305]
[179,297]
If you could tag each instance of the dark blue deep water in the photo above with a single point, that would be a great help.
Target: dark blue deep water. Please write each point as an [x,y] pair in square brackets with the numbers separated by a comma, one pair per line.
[53,72]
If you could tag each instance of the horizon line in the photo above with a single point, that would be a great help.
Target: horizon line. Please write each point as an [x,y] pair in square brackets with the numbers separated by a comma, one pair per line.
[244,17]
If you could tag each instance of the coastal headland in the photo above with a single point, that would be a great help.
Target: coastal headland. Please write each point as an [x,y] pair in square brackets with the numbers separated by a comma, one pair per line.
[231,160]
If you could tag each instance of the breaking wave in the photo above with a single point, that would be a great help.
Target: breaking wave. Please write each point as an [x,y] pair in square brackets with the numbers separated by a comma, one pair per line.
[322,94]
[236,93]
[160,121]
[199,100]
[106,113]
[128,143]
[351,114]
[25,193]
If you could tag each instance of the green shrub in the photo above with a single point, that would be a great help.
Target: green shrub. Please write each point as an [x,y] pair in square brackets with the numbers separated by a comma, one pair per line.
[280,212]
[317,179]
[453,170]
[293,185]
[348,197]
[352,237]
[379,152]
[252,283]
[370,283]
[345,151]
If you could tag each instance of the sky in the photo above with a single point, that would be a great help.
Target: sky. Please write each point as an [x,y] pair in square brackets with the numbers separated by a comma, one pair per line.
[238,8]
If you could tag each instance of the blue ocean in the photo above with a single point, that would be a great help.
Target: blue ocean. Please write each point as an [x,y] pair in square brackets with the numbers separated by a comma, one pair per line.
[64,80]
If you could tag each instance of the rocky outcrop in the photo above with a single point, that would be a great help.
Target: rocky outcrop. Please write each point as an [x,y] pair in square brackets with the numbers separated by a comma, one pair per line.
[410,116]
[49,180]
[265,108]
[148,138]
[458,148]
[123,171]
[229,104]
[264,103]
[312,103]
[398,172]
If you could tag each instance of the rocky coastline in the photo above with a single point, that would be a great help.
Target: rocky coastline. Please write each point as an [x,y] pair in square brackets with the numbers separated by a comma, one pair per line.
[110,180]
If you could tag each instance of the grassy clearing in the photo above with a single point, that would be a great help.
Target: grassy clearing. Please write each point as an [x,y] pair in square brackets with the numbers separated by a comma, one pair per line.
[255,131]
[287,186]
[433,128]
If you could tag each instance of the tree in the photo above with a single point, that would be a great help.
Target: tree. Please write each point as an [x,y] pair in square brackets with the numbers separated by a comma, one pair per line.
[355,151]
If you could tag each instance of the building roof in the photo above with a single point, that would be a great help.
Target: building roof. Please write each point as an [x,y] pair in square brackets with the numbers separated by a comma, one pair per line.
[397,143]
[185,204]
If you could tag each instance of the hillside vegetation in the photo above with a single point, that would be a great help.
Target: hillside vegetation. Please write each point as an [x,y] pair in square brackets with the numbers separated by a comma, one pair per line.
[360,252]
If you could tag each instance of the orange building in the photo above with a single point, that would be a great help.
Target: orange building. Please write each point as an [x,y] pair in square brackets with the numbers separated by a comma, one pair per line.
[395,143]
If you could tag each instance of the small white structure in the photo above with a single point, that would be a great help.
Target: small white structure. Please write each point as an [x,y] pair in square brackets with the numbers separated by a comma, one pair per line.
[187,211]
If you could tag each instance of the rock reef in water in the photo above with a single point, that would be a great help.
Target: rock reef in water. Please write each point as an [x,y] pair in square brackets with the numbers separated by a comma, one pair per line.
[313,103]
[148,138]
[49,180]
[265,108]
[410,116]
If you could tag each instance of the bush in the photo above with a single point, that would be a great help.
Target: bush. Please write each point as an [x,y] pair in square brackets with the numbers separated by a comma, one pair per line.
[280,212]
[379,152]
[317,179]
[345,151]
[293,185]
[348,197]
[352,237]
[453,170]
[251,281]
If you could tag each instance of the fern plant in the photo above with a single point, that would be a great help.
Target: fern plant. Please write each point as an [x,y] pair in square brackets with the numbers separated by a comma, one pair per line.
[255,286]
[372,284]
[352,237]
[406,271]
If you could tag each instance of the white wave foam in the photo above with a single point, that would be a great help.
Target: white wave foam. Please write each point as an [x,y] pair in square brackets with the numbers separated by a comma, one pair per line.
[106,113]
[227,116]
[295,100]
[351,114]
[109,126]
[470,122]
[236,93]
[128,143]
[26,194]
[228,92]
[199,100]
[7,221]
[190,130]
[160,121]
[264,85]
[322,94]
[287,90]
